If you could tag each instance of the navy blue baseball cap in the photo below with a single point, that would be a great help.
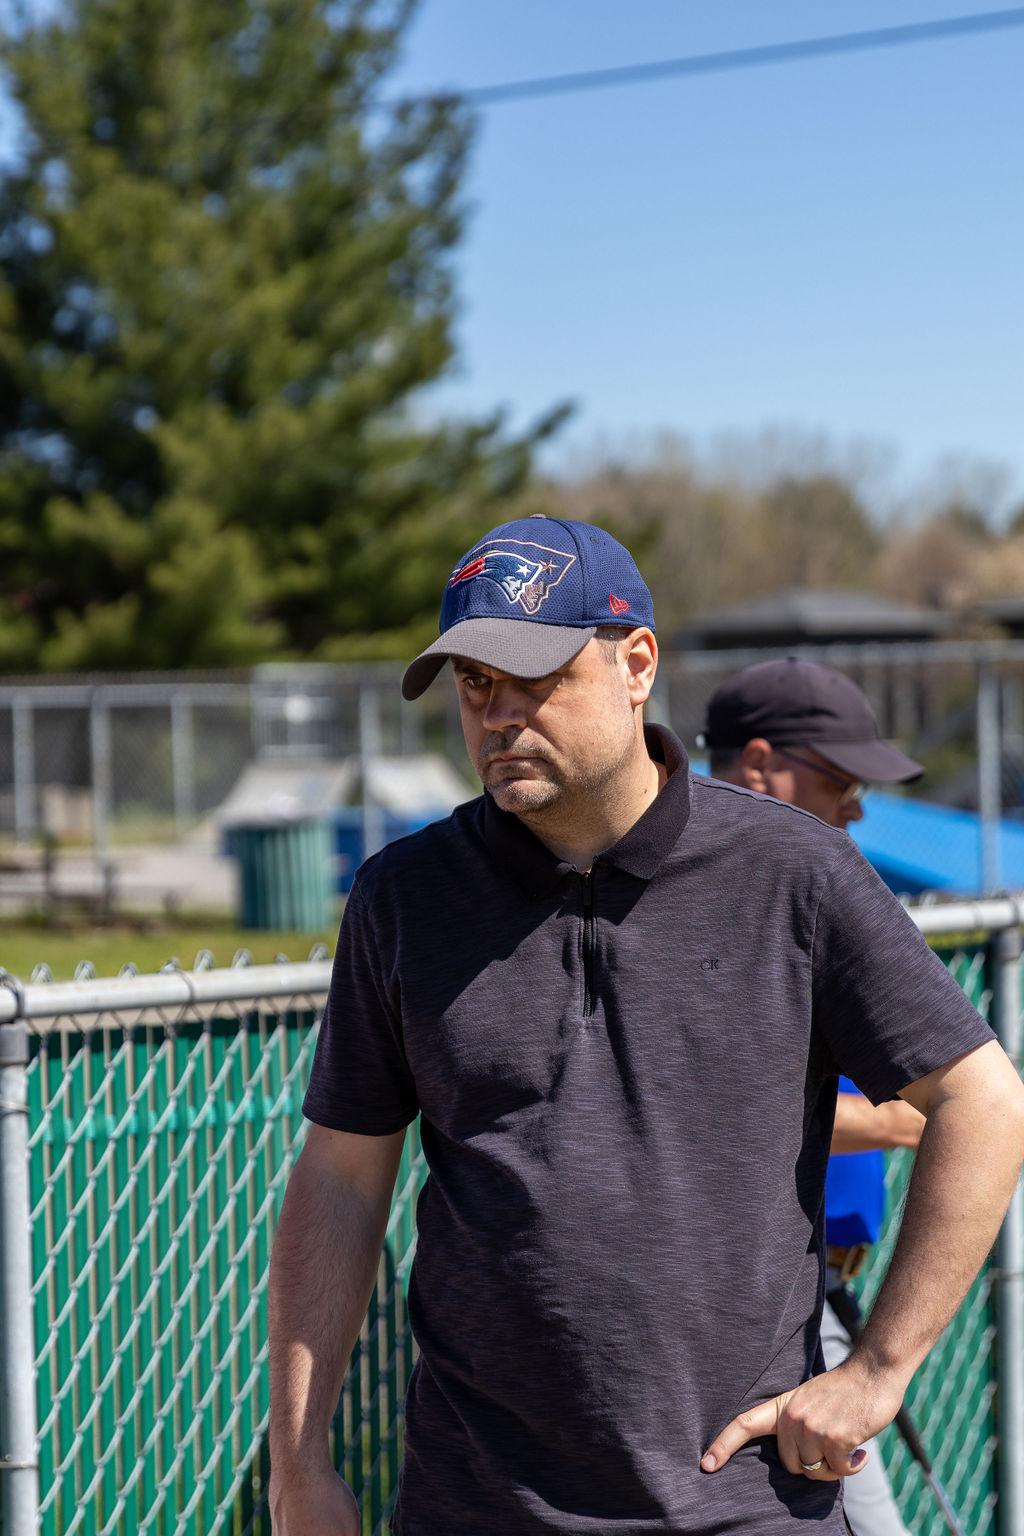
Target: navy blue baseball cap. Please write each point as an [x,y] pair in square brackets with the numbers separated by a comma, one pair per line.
[530,595]
[799,703]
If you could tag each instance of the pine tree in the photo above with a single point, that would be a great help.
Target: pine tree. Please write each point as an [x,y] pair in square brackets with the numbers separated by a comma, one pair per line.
[224,274]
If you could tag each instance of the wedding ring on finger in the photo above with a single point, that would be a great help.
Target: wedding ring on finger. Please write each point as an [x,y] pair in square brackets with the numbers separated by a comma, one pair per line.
[813,1466]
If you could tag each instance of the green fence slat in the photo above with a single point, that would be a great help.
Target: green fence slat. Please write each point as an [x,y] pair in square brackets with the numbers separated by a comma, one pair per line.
[141,1160]
[46,1201]
[105,1380]
[125,1290]
[162,1259]
[371,1424]
[215,1206]
[258,1056]
[72,1178]
[393,1397]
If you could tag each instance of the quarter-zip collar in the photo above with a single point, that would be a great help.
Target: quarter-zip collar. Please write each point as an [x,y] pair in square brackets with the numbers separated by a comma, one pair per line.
[639,852]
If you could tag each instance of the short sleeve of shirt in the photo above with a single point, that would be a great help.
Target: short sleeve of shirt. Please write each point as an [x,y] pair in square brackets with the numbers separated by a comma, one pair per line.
[360,1080]
[885,1003]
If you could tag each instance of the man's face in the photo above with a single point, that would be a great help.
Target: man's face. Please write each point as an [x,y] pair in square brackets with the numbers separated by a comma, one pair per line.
[546,744]
[815,785]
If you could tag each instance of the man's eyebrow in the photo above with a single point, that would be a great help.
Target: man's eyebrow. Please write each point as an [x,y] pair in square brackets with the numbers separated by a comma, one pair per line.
[467,668]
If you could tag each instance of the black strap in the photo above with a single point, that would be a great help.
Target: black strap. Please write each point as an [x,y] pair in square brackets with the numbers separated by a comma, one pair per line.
[846,1307]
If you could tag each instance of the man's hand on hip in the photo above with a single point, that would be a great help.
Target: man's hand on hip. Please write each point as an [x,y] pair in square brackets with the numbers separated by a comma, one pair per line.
[821,1426]
[317,1504]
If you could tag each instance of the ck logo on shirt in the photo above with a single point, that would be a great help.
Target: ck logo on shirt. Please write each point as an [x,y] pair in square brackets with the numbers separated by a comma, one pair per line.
[525,572]
[709,965]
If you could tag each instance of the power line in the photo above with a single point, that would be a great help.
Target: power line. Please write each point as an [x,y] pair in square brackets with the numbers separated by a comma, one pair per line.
[742,58]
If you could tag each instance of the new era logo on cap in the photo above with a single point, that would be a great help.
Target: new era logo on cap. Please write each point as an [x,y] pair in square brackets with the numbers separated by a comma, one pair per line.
[618,604]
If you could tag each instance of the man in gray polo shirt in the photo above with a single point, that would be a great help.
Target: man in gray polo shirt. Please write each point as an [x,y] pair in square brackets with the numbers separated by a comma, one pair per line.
[618,996]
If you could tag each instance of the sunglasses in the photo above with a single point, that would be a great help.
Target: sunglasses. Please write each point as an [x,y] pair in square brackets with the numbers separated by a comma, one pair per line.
[853,789]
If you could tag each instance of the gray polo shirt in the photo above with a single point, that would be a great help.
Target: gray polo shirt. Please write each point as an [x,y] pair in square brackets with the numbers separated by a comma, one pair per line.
[627,1084]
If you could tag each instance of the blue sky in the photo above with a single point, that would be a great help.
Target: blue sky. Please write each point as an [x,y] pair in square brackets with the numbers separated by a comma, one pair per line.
[828,247]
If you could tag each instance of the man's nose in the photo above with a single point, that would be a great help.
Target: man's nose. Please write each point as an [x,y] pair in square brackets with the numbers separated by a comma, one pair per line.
[854,811]
[505,704]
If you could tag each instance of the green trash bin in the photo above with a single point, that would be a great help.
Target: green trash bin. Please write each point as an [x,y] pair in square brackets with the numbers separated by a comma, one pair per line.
[285,875]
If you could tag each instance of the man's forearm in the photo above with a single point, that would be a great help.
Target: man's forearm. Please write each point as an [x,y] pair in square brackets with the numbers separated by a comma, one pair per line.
[325,1259]
[860,1126]
[967,1166]
[966,1169]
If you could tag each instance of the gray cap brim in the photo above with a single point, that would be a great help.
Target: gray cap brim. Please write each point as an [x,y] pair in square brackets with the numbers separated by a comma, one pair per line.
[873,762]
[519,647]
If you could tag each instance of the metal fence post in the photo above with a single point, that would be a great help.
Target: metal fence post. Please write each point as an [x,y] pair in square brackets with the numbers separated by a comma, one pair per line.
[1006,1019]
[183,763]
[19,1469]
[990,808]
[26,801]
[101,755]
[369,751]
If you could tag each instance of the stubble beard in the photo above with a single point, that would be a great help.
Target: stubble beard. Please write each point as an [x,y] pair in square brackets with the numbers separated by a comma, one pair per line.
[532,791]
[550,798]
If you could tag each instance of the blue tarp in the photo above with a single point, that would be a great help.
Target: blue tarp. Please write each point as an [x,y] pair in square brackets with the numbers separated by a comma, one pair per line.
[918,847]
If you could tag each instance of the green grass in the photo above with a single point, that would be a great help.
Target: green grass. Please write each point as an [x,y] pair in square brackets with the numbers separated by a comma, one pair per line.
[147,945]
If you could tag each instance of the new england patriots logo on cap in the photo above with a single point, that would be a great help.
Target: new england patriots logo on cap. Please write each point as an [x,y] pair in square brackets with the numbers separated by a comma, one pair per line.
[524,572]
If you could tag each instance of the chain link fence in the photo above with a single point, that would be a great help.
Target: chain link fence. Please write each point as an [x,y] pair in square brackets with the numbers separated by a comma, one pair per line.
[160,1143]
[160,1146]
[159,1118]
[90,762]
[109,760]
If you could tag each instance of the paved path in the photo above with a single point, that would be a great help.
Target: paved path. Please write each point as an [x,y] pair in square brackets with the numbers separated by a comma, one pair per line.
[191,875]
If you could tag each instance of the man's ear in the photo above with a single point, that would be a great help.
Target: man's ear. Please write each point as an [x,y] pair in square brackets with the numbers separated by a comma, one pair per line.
[753,764]
[641,659]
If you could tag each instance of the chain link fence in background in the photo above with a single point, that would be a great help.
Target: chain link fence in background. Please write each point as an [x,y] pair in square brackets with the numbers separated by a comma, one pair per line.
[158,1118]
[100,760]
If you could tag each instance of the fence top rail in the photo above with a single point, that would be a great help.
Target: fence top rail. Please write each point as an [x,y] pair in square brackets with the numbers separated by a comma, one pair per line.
[69,690]
[123,695]
[308,980]
[991,915]
[870,653]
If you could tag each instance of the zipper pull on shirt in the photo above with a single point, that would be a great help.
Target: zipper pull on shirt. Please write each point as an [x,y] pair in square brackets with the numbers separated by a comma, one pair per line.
[589,939]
